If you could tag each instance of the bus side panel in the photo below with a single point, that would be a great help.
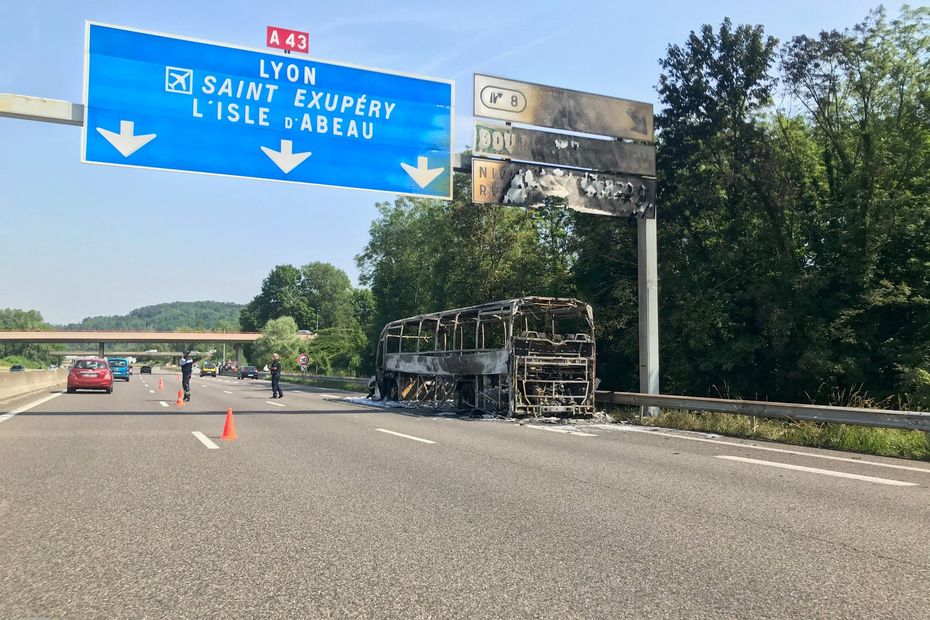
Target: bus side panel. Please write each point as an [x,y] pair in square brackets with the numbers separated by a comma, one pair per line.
[479,363]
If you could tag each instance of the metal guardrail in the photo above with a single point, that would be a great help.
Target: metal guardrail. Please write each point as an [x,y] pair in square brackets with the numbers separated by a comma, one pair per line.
[857,416]
[884,418]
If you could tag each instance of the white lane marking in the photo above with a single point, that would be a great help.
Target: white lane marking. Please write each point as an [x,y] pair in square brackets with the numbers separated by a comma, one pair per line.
[560,430]
[275,404]
[151,391]
[205,441]
[203,385]
[163,403]
[226,392]
[823,472]
[405,436]
[28,406]
[765,448]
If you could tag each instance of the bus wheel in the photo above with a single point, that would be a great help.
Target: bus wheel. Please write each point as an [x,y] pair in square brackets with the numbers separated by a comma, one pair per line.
[465,398]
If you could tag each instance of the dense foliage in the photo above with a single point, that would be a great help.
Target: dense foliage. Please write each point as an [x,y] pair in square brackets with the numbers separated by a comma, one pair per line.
[30,355]
[317,297]
[174,316]
[278,336]
[794,241]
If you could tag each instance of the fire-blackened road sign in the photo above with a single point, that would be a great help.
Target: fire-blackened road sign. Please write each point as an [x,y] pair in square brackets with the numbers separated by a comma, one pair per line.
[503,141]
[531,185]
[559,108]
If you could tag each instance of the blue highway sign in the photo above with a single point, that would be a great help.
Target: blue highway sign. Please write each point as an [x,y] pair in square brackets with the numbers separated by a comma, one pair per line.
[161,101]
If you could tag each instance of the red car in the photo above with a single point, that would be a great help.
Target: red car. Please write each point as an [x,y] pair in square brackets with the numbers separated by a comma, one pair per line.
[90,374]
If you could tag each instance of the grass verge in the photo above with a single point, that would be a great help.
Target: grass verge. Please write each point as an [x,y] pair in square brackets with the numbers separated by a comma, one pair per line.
[361,386]
[865,440]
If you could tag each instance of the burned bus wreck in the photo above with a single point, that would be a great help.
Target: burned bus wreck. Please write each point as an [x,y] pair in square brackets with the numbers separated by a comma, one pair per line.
[528,356]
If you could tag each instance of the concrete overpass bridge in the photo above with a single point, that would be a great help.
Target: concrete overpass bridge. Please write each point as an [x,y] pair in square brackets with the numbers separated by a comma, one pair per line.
[102,337]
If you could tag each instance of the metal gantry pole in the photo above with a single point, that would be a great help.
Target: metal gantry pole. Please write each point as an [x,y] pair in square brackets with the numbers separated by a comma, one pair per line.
[648,267]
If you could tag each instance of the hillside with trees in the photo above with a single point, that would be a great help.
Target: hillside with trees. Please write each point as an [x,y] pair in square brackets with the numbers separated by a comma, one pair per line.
[174,316]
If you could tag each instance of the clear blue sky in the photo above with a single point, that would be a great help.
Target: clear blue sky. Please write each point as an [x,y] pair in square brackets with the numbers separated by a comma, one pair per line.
[173,236]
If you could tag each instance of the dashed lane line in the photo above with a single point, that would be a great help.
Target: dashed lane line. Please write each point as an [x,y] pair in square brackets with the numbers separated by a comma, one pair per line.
[163,403]
[226,392]
[560,430]
[151,391]
[383,430]
[205,440]
[822,472]
[275,404]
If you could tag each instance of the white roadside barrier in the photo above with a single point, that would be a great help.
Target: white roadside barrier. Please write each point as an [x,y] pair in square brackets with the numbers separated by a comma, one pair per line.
[13,384]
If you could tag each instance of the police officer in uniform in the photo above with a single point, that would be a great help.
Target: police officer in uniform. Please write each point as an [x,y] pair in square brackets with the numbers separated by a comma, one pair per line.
[187,369]
[275,369]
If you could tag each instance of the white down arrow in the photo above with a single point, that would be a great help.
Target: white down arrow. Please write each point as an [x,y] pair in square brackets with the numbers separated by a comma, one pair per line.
[423,175]
[124,141]
[286,159]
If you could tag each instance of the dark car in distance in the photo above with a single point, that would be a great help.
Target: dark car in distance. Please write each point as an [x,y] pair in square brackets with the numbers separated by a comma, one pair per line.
[146,370]
[17,368]
[248,372]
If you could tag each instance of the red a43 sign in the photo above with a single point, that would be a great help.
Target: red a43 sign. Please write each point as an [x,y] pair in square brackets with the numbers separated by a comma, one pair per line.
[284,39]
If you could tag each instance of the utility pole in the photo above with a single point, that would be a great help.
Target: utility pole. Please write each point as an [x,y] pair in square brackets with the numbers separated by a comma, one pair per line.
[648,309]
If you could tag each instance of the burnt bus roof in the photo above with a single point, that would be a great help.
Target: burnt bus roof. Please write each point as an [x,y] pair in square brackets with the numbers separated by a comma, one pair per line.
[554,305]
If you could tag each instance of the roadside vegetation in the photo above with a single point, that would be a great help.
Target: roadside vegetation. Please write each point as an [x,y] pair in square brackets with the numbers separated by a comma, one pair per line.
[361,386]
[864,440]
[10,360]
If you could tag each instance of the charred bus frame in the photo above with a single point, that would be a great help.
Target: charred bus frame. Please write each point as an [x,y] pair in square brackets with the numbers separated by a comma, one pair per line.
[527,356]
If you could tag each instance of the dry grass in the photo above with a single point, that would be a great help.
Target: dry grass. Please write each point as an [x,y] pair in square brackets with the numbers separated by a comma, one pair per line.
[866,440]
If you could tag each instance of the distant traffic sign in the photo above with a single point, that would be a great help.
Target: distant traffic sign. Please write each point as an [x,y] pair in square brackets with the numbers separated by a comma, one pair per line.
[303,359]
[160,101]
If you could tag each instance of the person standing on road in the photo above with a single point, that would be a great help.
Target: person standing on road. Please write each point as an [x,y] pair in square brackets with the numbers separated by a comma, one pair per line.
[187,369]
[276,377]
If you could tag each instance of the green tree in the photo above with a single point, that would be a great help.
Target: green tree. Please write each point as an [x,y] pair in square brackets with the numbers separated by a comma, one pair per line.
[327,290]
[174,316]
[338,351]
[315,295]
[280,296]
[363,307]
[727,259]
[278,336]
[24,320]
[864,96]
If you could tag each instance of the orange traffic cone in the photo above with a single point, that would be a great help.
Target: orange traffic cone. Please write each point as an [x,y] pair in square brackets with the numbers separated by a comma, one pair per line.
[229,430]
[161,384]
[180,402]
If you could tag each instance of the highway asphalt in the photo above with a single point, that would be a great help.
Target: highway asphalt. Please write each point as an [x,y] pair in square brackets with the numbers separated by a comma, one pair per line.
[111,506]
